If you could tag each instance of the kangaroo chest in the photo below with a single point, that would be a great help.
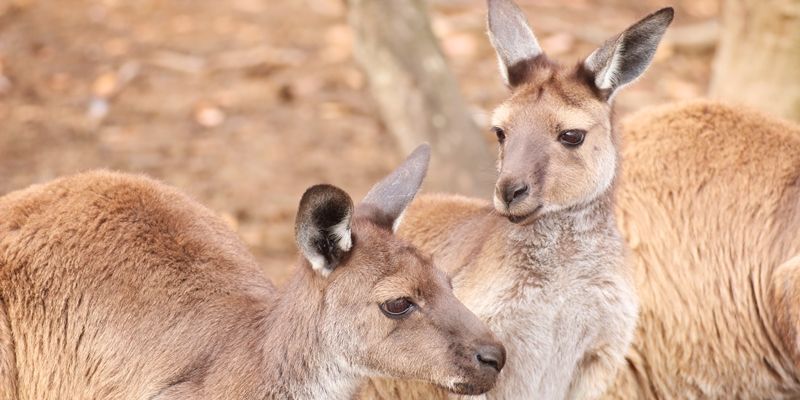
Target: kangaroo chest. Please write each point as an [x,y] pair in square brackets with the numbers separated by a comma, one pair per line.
[546,298]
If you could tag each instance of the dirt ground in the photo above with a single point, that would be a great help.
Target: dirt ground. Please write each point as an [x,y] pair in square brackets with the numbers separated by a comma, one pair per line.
[245,103]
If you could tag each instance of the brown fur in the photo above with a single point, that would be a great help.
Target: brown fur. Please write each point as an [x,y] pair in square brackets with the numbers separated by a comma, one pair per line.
[554,99]
[74,251]
[546,268]
[554,286]
[8,367]
[709,203]
[710,206]
[117,287]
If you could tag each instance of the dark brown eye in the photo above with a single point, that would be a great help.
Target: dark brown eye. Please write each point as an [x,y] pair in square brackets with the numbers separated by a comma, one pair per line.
[572,137]
[397,308]
[501,134]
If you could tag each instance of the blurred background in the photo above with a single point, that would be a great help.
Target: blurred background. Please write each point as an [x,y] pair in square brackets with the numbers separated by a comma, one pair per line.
[245,103]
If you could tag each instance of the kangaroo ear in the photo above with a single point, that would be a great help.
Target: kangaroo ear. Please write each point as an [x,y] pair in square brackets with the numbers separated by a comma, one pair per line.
[386,201]
[322,226]
[511,37]
[626,56]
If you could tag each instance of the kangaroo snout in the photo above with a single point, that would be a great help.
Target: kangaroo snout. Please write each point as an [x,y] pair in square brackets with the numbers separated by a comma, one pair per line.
[476,355]
[518,198]
[512,191]
[488,359]
[482,362]
[491,356]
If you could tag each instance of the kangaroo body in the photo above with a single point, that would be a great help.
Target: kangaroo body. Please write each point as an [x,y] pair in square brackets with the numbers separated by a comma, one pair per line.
[62,307]
[115,286]
[557,293]
[563,275]
[710,207]
[545,265]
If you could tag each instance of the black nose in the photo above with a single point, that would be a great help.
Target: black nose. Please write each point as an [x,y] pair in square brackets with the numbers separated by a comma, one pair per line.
[492,356]
[514,192]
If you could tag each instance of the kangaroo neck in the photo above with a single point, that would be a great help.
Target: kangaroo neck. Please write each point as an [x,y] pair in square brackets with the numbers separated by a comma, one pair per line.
[593,217]
[300,362]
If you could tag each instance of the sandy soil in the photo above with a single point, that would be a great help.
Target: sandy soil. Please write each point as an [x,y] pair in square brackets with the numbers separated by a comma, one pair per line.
[245,103]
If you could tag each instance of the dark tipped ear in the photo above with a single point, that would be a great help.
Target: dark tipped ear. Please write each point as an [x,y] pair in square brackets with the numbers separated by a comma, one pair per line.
[322,227]
[625,57]
[386,201]
[511,36]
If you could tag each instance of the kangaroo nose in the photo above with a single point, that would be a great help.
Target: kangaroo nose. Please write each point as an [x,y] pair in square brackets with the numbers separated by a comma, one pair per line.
[492,356]
[514,193]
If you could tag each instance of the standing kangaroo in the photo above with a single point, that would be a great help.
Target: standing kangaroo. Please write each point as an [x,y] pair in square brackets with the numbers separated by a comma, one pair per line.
[546,267]
[117,287]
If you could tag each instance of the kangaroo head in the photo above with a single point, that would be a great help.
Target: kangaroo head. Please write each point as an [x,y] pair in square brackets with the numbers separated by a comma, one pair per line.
[387,310]
[557,146]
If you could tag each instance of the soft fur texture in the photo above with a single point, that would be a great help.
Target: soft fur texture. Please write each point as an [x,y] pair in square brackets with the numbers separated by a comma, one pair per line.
[80,302]
[555,292]
[709,204]
[710,207]
[114,286]
[545,267]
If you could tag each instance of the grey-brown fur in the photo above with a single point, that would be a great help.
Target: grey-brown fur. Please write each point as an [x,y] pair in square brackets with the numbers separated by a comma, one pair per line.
[546,266]
[115,286]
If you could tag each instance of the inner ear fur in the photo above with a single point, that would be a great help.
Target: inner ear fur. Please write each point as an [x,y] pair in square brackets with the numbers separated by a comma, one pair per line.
[624,58]
[387,200]
[323,227]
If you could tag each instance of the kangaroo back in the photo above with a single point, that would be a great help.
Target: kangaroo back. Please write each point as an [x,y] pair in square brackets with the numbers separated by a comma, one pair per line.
[709,204]
[140,244]
[117,287]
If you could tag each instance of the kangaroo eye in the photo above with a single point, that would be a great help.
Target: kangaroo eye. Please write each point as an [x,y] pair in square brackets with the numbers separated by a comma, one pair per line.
[397,308]
[572,137]
[501,134]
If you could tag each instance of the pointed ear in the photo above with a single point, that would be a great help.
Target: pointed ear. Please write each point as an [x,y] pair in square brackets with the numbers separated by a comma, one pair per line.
[322,227]
[386,201]
[511,36]
[626,56]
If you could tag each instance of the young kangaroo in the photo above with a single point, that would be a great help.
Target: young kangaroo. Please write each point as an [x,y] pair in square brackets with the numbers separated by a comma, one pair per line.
[546,267]
[117,287]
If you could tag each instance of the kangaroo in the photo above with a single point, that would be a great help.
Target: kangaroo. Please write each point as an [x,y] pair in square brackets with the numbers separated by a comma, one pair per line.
[544,265]
[117,287]
[710,207]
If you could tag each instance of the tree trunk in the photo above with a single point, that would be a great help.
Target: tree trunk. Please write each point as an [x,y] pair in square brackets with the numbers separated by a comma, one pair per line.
[417,95]
[758,59]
